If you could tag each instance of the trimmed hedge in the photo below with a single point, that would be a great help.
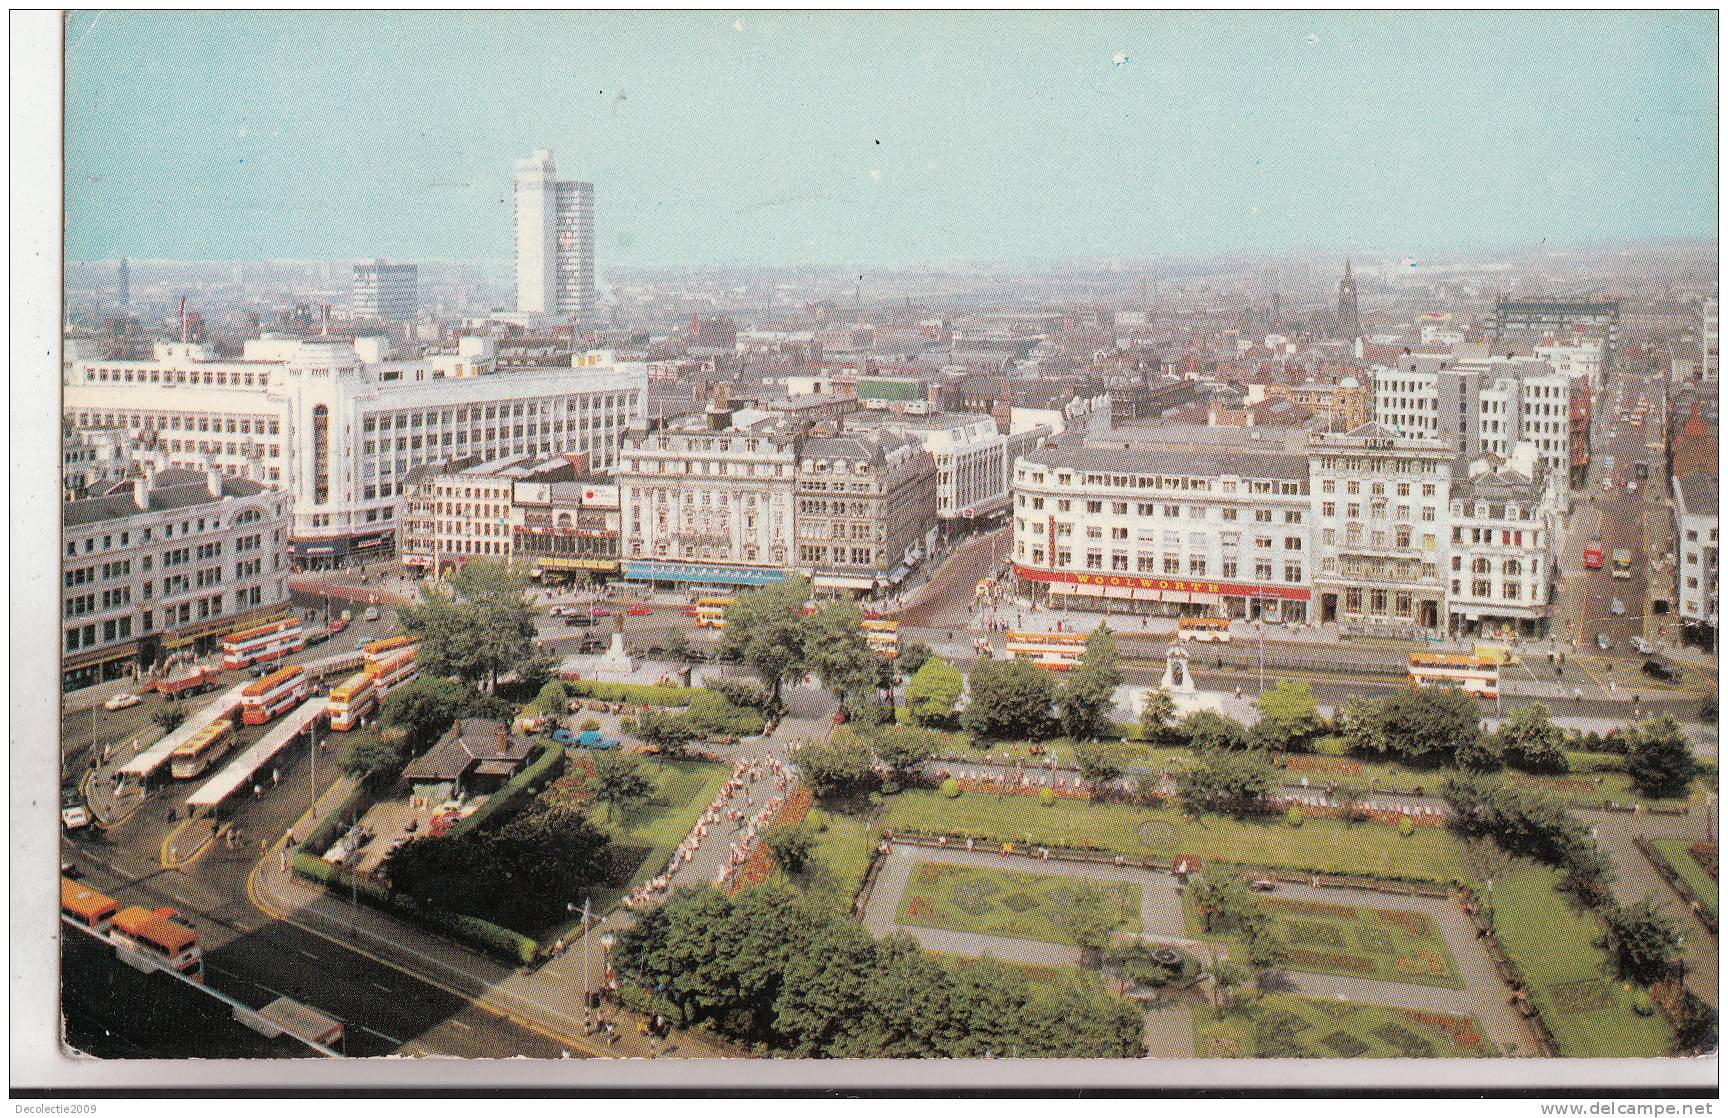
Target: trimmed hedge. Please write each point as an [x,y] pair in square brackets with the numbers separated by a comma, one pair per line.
[335,822]
[654,694]
[1580,761]
[543,768]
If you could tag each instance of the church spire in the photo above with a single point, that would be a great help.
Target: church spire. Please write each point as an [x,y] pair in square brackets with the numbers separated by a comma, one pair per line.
[1349,320]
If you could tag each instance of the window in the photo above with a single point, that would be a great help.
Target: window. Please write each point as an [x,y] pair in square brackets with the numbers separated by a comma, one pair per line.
[1292,543]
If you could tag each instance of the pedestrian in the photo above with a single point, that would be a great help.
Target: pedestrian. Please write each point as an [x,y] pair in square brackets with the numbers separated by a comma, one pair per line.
[275,776]
[263,847]
[282,862]
[257,792]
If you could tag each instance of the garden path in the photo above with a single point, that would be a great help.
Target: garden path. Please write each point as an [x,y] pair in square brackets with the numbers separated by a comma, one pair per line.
[1638,879]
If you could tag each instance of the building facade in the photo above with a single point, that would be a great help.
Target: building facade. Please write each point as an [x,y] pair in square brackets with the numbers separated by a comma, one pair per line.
[866,511]
[1480,406]
[567,530]
[1556,316]
[165,564]
[1695,524]
[554,242]
[463,509]
[1501,568]
[1164,533]
[93,459]
[386,292]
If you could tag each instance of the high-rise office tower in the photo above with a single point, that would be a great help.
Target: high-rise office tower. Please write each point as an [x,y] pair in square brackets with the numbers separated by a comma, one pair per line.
[385,291]
[1349,320]
[554,241]
[125,283]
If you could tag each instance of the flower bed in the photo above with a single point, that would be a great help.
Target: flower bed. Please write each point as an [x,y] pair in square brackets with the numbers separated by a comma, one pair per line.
[1283,1025]
[1704,853]
[760,865]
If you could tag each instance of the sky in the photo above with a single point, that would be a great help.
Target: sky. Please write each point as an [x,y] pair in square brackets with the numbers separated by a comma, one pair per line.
[892,140]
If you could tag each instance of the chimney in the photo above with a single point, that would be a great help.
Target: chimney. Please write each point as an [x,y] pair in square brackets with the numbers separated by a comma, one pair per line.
[141,492]
[213,480]
[503,737]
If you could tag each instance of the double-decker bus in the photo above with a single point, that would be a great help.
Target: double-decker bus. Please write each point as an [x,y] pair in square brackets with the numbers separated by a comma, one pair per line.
[1474,675]
[86,907]
[202,750]
[883,636]
[711,612]
[1203,629]
[1592,556]
[280,691]
[262,643]
[378,653]
[1622,563]
[149,939]
[1055,651]
[352,699]
[395,672]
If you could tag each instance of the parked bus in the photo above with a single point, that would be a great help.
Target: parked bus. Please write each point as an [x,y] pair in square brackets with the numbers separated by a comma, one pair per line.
[1203,629]
[1622,562]
[381,652]
[711,612]
[202,750]
[352,700]
[883,636]
[276,693]
[262,644]
[1055,651]
[1474,675]
[395,673]
[86,907]
[1593,556]
[157,941]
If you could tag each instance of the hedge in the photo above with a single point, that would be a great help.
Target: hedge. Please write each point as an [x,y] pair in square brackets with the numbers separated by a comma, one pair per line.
[335,823]
[1581,761]
[500,942]
[654,694]
[516,789]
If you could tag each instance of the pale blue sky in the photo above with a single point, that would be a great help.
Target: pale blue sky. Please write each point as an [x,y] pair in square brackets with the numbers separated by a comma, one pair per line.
[889,139]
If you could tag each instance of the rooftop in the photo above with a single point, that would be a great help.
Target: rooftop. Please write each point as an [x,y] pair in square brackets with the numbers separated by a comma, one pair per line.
[1698,496]
[1195,462]
[169,490]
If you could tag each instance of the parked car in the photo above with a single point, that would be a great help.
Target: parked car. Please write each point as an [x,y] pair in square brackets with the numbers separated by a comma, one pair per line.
[563,736]
[371,614]
[1656,669]
[1631,487]
[317,637]
[74,818]
[562,611]
[1262,884]
[1603,642]
[121,701]
[1643,646]
[593,739]
[599,611]
[579,621]
[1617,607]
[338,625]
[639,611]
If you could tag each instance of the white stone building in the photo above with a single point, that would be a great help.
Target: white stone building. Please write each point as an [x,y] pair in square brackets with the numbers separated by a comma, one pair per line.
[1478,406]
[1504,517]
[554,242]
[1695,517]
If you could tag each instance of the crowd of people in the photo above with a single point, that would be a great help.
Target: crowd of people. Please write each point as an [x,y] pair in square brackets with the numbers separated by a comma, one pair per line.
[731,805]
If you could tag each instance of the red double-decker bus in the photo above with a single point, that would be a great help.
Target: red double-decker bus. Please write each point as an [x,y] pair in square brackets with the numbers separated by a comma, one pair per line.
[277,692]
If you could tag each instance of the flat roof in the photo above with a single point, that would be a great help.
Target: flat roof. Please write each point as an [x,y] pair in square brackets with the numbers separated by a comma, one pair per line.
[238,771]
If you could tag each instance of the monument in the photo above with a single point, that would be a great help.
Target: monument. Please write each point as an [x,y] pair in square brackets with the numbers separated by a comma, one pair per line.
[1178,683]
[616,662]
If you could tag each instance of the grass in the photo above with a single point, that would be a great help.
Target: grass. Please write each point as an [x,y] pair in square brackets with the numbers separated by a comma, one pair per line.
[1395,945]
[1329,846]
[1390,776]
[839,859]
[1680,860]
[682,790]
[1589,1014]
[1002,902]
[1285,1026]
[1129,752]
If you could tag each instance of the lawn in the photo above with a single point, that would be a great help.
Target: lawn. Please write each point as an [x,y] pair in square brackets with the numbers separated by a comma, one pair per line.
[1285,1026]
[838,861]
[682,790]
[1388,776]
[1679,857]
[1002,902]
[1323,845]
[1395,945]
[1555,946]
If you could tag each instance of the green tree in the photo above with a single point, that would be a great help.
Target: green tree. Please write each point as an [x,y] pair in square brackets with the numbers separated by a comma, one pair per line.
[766,630]
[1289,717]
[912,657]
[1083,700]
[1157,712]
[370,752]
[840,766]
[553,699]
[1230,780]
[1530,740]
[619,783]
[835,649]
[1415,724]
[1209,730]
[791,846]
[1091,917]
[1009,699]
[477,628]
[1100,762]
[1225,903]
[1646,945]
[423,709]
[669,733]
[168,718]
[933,692]
[1226,976]
[677,645]
[902,749]
[1659,757]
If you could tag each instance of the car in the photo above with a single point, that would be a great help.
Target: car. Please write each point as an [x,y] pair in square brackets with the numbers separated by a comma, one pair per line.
[639,611]
[560,611]
[371,614]
[74,818]
[338,625]
[1643,646]
[317,637]
[1631,487]
[1656,669]
[1617,607]
[1603,642]
[70,796]
[579,621]
[70,870]
[599,611]
[563,736]
[1262,884]
[1607,485]
[594,739]
[121,701]
[688,611]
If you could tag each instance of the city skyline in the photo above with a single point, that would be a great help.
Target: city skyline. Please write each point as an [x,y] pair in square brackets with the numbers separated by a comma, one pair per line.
[779,139]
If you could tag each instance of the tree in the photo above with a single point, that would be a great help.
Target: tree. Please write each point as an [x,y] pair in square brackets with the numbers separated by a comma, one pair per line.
[1010,699]
[1099,762]
[1209,730]
[902,749]
[619,783]
[1289,717]
[476,629]
[1414,724]
[791,846]
[368,753]
[677,645]
[1091,916]
[1230,780]
[835,649]
[669,733]
[1225,976]
[1646,945]
[1659,757]
[1084,699]
[1157,712]
[553,699]
[913,657]
[1529,739]
[1225,903]
[837,767]
[765,629]
[423,709]
[169,718]
[933,692]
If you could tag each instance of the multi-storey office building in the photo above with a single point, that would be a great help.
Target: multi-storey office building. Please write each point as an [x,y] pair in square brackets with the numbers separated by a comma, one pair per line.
[973,461]
[554,242]
[1501,568]
[1695,524]
[386,292]
[92,459]
[866,511]
[340,431]
[1479,405]
[166,563]
[1552,316]
[1380,504]
[1166,533]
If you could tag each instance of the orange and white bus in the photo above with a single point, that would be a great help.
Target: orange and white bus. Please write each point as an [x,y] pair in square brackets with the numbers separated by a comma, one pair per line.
[1474,675]
[395,672]
[262,643]
[352,699]
[883,636]
[378,653]
[151,939]
[202,750]
[1055,651]
[1203,629]
[711,612]
[86,907]
[280,691]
